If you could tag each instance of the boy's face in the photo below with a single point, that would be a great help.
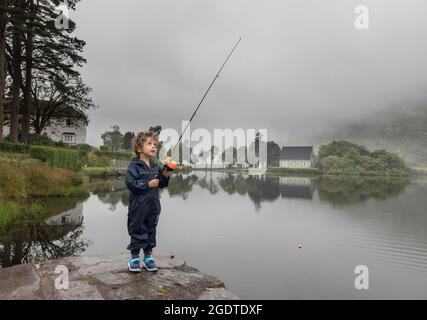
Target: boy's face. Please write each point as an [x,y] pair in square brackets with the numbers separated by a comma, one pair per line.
[149,148]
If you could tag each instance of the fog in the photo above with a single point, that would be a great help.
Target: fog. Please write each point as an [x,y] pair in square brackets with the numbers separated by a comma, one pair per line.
[301,68]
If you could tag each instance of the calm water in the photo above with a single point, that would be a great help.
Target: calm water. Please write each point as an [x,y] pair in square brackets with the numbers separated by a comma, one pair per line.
[247,230]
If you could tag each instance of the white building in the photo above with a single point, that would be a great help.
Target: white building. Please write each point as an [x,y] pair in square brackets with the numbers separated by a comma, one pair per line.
[66,133]
[297,157]
[70,130]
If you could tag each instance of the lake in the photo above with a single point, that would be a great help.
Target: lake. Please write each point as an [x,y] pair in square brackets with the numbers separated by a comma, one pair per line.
[266,237]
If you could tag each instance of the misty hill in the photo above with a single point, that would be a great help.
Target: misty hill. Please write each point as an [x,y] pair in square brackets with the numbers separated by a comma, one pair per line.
[401,131]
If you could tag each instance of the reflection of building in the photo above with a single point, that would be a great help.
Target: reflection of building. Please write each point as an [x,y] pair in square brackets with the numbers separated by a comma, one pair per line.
[296,187]
[70,217]
[296,157]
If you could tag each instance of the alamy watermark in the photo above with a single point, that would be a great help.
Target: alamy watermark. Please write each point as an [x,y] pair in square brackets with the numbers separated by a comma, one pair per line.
[63,280]
[223,146]
[62,21]
[361,282]
[362,17]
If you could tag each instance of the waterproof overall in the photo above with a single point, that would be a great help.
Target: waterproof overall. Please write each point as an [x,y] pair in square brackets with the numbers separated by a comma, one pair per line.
[144,204]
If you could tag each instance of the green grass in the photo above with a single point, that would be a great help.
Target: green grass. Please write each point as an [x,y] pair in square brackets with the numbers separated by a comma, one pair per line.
[13,156]
[18,180]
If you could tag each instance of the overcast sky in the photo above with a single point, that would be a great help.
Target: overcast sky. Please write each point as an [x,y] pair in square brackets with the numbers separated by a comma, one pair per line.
[301,68]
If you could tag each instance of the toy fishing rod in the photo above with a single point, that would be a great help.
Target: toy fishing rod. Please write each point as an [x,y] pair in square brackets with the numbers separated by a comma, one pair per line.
[171,166]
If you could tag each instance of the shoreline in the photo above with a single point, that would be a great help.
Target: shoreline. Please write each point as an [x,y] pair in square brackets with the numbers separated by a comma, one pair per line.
[107,278]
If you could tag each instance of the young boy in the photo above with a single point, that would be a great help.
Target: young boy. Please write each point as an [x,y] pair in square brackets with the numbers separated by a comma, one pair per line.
[144,177]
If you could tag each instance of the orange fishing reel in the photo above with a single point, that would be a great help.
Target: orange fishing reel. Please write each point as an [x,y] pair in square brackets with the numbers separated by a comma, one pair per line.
[170,166]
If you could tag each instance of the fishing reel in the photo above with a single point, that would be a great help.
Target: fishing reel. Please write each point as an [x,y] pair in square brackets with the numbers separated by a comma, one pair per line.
[169,165]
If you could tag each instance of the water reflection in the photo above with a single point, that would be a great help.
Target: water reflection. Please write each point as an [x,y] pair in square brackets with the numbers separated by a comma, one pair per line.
[349,190]
[332,189]
[58,231]
[47,235]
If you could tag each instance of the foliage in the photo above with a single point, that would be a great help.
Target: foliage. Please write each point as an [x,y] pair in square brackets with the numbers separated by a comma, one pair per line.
[113,139]
[14,148]
[127,141]
[57,157]
[343,157]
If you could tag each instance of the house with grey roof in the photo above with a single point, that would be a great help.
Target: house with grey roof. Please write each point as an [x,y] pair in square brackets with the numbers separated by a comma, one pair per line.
[67,125]
[297,157]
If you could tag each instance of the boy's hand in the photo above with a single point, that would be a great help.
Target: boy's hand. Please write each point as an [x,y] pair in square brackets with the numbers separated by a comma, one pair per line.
[153,183]
[166,173]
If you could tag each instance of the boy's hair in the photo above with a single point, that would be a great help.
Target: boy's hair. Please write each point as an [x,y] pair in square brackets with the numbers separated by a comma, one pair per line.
[141,138]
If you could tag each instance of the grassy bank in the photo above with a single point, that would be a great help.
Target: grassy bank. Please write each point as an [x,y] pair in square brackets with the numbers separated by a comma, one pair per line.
[21,180]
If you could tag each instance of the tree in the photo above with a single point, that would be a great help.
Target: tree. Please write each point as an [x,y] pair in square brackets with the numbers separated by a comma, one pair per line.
[157,130]
[53,54]
[273,154]
[113,139]
[342,148]
[3,22]
[213,153]
[58,100]
[226,154]
[44,56]
[16,63]
[127,140]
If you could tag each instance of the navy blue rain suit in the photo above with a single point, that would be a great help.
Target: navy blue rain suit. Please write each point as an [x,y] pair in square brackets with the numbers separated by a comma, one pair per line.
[144,204]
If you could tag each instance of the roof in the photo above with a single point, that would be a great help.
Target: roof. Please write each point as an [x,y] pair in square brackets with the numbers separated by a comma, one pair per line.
[296,153]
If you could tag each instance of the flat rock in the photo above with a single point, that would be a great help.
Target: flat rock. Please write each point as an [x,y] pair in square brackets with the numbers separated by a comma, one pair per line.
[107,278]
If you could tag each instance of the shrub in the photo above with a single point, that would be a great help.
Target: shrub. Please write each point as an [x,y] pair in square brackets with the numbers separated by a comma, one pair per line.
[57,157]
[84,149]
[342,157]
[114,155]
[40,140]
[14,148]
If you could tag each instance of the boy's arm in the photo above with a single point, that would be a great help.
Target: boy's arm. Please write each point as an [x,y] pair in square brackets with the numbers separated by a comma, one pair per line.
[136,186]
[163,181]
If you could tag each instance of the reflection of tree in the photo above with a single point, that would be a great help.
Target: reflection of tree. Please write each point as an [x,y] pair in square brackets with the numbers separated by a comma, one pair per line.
[258,188]
[33,238]
[180,186]
[351,189]
[125,198]
[209,185]
[43,243]
[113,198]
[111,191]
[263,188]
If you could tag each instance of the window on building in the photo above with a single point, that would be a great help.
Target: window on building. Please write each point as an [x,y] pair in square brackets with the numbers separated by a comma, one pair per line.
[69,138]
[68,122]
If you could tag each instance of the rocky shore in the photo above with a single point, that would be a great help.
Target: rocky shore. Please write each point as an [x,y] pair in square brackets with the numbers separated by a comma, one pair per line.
[107,278]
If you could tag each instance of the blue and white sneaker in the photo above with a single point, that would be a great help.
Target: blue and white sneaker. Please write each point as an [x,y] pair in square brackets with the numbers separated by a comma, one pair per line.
[134,265]
[150,265]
